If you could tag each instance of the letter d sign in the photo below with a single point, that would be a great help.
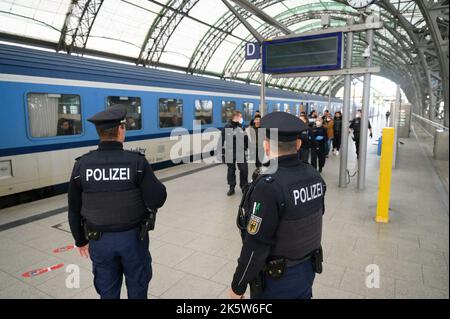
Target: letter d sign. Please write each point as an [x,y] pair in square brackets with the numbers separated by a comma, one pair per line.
[252,51]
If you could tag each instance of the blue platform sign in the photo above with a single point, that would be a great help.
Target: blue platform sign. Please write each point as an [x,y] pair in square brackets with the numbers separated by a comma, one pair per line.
[252,51]
[308,53]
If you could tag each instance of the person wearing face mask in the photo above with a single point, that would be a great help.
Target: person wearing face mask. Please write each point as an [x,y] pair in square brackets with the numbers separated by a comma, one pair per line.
[234,144]
[318,141]
[355,126]
[337,128]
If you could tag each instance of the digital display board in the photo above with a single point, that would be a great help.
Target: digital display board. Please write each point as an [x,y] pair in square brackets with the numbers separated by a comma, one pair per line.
[303,54]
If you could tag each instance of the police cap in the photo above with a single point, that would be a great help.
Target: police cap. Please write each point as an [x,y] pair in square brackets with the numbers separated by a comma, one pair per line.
[289,126]
[111,117]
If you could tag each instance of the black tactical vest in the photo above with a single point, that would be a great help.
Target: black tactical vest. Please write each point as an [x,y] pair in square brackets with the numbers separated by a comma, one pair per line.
[356,126]
[300,228]
[111,198]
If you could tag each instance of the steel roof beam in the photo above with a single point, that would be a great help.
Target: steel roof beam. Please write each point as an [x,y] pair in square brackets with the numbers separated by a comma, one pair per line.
[247,5]
[78,25]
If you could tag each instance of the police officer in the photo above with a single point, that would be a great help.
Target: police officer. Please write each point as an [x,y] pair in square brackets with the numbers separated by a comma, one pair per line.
[283,211]
[234,143]
[355,126]
[113,197]
[318,144]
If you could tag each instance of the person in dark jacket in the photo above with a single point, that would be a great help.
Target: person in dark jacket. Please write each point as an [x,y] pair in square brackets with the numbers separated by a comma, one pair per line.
[234,144]
[355,126]
[257,150]
[337,132]
[304,136]
[318,142]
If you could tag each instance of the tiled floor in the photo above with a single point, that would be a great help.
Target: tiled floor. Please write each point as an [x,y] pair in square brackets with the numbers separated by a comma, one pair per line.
[196,243]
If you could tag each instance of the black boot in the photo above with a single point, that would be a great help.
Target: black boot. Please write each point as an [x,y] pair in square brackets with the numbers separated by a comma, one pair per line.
[231,191]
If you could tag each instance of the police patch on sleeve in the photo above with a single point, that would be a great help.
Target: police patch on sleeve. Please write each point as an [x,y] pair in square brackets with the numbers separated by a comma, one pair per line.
[254,224]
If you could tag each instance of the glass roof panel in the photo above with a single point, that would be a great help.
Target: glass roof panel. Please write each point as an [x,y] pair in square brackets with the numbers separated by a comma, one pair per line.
[219,59]
[215,9]
[37,19]
[121,27]
[182,44]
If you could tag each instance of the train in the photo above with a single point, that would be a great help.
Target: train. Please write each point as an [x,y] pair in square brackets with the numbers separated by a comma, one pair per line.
[47,97]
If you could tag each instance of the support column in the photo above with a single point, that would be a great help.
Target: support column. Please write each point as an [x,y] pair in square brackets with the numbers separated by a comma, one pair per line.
[346,110]
[365,111]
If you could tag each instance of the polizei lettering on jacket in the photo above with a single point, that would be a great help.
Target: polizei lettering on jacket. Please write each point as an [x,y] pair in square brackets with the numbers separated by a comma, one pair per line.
[308,193]
[108,174]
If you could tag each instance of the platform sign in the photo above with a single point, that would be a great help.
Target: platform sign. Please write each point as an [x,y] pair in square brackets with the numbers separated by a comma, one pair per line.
[252,51]
[310,53]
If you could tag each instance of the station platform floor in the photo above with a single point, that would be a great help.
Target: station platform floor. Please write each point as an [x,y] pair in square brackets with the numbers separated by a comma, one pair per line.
[196,244]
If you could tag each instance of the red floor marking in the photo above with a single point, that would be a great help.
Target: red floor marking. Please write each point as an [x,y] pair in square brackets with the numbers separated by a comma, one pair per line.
[63,249]
[40,271]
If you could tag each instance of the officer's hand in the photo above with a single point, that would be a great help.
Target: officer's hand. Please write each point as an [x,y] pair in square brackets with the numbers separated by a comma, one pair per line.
[84,251]
[234,296]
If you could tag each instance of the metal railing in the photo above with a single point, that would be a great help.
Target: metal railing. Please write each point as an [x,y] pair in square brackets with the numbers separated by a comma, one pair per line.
[428,125]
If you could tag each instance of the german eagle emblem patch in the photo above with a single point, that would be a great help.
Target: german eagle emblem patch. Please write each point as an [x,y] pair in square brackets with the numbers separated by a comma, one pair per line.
[254,224]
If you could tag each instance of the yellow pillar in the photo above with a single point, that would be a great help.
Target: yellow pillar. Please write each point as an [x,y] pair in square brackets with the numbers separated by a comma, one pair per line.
[384,188]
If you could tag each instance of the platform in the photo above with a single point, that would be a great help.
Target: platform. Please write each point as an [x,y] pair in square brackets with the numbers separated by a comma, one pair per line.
[196,244]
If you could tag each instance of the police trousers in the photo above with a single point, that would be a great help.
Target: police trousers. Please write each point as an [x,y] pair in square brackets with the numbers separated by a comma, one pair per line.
[296,283]
[318,154]
[243,174]
[117,254]
[356,139]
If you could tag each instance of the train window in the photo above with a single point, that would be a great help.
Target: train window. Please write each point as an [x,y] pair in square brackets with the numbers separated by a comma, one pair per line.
[170,112]
[295,109]
[287,108]
[248,111]
[54,114]
[276,107]
[134,110]
[227,110]
[204,111]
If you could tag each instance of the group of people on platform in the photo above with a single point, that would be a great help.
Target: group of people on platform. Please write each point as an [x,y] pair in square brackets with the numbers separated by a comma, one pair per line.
[322,137]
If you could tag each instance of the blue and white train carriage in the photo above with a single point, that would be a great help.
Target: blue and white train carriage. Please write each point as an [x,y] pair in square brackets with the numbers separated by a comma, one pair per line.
[45,99]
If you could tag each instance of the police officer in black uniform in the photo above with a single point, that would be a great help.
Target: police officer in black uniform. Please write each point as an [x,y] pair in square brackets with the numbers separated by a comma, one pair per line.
[281,220]
[113,197]
[355,126]
[234,144]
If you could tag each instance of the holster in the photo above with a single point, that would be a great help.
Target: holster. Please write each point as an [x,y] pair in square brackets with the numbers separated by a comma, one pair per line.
[316,260]
[148,224]
[257,286]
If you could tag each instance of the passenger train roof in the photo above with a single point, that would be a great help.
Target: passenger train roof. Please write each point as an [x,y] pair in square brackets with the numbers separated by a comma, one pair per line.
[32,62]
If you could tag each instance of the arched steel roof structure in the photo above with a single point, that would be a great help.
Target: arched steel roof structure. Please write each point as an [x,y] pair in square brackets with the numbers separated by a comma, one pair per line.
[205,37]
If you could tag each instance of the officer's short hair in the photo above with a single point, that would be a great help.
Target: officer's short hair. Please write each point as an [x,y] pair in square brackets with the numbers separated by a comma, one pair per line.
[236,113]
[284,147]
[109,133]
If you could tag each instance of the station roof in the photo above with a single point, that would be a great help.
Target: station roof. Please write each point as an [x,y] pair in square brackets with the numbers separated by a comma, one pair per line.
[204,37]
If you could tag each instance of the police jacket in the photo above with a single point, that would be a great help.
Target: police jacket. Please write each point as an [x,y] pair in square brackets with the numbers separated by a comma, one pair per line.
[111,190]
[234,138]
[304,136]
[256,148]
[337,126]
[286,218]
[317,137]
[355,125]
